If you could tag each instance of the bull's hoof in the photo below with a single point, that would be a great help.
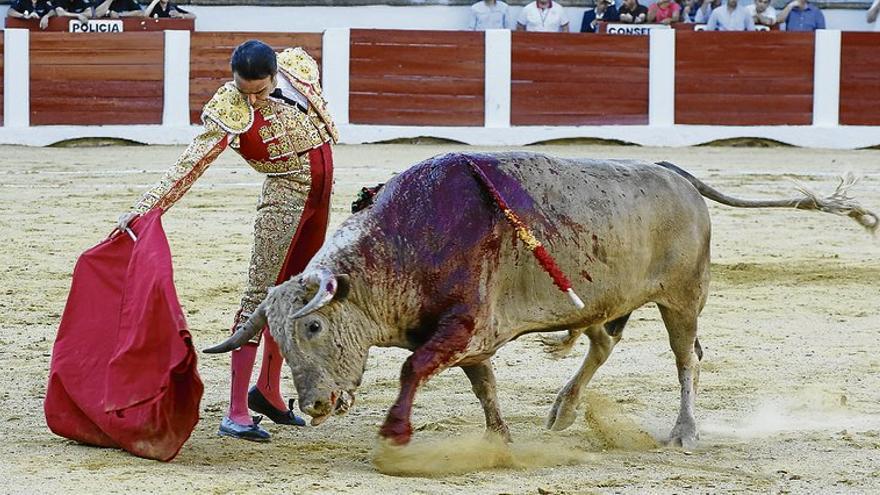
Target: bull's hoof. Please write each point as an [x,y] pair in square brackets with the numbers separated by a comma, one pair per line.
[563,413]
[560,346]
[683,436]
[501,432]
[397,434]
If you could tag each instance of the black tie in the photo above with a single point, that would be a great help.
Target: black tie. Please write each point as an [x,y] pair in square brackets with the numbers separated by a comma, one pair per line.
[278,94]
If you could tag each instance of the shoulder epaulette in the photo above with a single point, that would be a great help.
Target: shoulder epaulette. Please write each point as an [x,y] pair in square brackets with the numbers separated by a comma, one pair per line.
[299,64]
[230,110]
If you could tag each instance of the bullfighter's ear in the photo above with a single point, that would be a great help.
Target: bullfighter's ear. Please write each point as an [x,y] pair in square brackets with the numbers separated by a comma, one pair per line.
[343,286]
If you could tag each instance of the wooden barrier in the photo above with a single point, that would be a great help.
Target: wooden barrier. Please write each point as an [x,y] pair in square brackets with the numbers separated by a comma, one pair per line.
[743,78]
[578,80]
[209,60]
[860,79]
[416,77]
[96,79]
[129,24]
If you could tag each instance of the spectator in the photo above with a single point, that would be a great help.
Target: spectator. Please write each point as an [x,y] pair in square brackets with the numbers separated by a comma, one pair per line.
[32,9]
[762,13]
[689,10]
[664,12]
[166,8]
[119,8]
[799,15]
[81,9]
[632,12]
[543,15]
[730,17]
[873,13]
[604,11]
[706,8]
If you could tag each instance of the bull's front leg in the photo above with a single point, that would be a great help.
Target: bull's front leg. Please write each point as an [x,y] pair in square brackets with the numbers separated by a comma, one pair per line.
[482,379]
[441,351]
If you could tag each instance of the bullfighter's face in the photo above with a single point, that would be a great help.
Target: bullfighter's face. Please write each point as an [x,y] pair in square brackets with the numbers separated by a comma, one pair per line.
[323,349]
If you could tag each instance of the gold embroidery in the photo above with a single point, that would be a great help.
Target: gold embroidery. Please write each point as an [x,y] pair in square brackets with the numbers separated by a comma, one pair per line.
[281,205]
[230,109]
[299,64]
[190,166]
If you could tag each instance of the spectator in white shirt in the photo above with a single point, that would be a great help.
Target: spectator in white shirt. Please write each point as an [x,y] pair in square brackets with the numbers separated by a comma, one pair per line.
[705,10]
[730,17]
[489,14]
[543,15]
[763,13]
[873,13]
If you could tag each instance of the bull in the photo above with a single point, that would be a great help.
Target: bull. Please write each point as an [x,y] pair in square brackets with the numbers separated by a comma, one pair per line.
[434,268]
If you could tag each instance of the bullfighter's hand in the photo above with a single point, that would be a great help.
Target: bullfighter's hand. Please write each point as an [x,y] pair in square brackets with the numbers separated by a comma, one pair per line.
[124,219]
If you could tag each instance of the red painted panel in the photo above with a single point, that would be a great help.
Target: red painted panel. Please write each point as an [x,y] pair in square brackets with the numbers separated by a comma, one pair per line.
[860,78]
[565,79]
[73,83]
[209,60]
[744,78]
[416,77]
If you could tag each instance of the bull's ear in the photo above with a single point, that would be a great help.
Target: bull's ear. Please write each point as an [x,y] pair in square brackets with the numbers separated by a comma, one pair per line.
[343,286]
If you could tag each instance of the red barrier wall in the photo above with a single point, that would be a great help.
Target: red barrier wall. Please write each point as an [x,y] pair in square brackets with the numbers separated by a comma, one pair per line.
[209,60]
[416,77]
[733,78]
[860,79]
[561,79]
[75,81]
[129,24]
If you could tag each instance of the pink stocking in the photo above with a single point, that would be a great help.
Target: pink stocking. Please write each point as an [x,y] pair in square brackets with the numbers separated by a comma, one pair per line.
[242,365]
[269,382]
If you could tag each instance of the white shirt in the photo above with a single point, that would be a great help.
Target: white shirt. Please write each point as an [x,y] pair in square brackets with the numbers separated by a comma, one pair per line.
[547,20]
[289,91]
[877,22]
[485,16]
[768,12]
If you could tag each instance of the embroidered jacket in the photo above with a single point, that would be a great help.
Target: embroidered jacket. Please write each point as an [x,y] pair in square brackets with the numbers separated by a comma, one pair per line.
[274,139]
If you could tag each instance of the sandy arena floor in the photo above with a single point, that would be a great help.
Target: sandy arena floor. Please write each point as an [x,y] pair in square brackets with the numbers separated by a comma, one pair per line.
[790,397]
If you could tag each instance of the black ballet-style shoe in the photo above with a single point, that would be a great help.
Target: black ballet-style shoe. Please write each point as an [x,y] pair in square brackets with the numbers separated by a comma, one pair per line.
[258,403]
[253,433]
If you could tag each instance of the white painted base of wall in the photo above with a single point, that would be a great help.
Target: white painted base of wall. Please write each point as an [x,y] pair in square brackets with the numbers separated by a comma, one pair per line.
[843,137]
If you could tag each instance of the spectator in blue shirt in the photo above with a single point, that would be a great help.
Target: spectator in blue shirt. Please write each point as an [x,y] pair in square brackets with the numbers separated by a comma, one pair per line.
[604,11]
[490,14]
[799,15]
[730,17]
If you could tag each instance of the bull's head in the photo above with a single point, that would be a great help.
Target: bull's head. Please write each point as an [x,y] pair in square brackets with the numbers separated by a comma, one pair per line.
[321,335]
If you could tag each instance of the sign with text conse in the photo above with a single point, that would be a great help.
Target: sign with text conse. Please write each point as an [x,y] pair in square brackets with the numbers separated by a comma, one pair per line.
[631,29]
[96,26]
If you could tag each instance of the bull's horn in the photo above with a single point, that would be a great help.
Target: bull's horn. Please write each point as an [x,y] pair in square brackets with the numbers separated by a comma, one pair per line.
[327,285]
[243,333]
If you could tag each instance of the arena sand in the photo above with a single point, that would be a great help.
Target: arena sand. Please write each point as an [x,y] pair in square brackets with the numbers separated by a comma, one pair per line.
[790,390]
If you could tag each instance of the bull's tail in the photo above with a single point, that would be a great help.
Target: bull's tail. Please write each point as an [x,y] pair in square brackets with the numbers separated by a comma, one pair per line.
[838,203]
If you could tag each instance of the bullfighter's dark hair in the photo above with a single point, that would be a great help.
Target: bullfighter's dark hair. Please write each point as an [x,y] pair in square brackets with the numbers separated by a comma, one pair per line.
[253,60]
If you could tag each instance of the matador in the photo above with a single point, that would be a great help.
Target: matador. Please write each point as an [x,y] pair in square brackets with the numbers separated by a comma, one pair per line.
[274,115]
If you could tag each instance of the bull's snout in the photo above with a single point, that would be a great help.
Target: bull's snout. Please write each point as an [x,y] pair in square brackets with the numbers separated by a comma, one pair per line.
[321,408]
[318,407]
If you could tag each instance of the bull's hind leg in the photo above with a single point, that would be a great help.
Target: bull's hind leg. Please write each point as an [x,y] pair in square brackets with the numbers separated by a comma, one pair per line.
[682,328]
[603,338]
[482,379]
[560,346]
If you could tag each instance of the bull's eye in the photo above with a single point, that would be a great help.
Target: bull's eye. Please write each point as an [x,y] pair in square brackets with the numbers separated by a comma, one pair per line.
[314,327]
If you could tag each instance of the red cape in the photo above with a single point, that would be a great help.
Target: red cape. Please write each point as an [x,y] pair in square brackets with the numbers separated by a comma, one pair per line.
[123,368]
